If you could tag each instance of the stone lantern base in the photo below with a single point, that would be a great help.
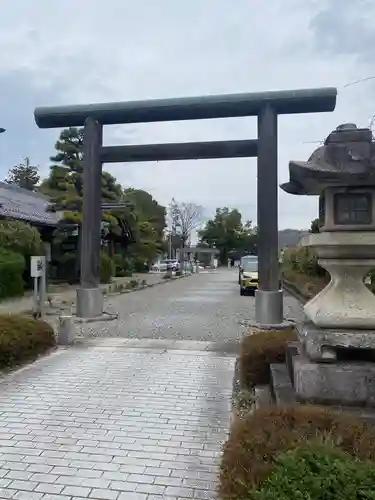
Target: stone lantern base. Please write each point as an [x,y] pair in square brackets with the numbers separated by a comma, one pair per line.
[335,366]
[336,362]
[328,345]
[345,302]
[346,383]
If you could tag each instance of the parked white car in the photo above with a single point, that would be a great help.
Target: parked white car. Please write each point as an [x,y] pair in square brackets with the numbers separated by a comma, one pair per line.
[162,266]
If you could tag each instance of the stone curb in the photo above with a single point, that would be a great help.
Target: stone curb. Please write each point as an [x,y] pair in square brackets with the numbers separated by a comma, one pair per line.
[162,282]
[293,290]
[51,312]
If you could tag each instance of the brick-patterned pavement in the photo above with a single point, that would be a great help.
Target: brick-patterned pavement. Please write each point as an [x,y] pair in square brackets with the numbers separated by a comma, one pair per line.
[117,423]
[138,416]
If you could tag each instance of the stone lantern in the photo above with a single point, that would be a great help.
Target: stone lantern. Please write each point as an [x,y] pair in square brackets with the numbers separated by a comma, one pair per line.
[336,362]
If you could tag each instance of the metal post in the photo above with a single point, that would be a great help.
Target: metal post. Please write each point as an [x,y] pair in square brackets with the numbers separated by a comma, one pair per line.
[43,287]
[36,308]
[170,244]
[89,295]
[182,257]
[269,299]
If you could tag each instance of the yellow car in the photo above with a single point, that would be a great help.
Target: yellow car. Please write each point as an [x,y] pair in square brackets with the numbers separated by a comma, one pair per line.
[249,279]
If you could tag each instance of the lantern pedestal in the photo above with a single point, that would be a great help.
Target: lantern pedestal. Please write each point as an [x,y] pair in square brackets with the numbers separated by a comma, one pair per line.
[345,302]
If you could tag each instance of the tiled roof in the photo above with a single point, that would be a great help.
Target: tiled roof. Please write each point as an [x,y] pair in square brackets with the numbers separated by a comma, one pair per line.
[21,204]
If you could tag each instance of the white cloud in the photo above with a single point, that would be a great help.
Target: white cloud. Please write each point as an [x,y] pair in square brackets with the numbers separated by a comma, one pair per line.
[69,52]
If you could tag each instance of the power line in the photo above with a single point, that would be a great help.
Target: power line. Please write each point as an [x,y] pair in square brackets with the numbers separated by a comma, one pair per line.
[350,84]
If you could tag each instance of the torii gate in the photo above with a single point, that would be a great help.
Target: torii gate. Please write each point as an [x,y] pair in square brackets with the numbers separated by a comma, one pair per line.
[265,105]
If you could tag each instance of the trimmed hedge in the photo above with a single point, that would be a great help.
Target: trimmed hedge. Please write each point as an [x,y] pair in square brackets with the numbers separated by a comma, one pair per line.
[23,339]
[318,471]
[256,441]
[12,267]
[258,351]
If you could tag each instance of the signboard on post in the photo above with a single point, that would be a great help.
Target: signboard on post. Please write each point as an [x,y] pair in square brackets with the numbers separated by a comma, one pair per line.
[37,266]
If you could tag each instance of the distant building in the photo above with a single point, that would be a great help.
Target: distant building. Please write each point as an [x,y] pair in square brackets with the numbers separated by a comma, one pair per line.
[33,207]
[20,204]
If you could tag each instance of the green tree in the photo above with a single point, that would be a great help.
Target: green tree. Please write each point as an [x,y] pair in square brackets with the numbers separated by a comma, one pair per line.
[24,175]
[228,233]
[65,182]
[147,222]
[64,185]
[315,226]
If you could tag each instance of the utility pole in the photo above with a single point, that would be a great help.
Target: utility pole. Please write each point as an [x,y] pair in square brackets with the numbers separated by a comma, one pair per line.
[170,245]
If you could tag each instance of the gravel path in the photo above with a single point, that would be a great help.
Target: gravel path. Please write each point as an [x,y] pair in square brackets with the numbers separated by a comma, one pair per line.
[204,307]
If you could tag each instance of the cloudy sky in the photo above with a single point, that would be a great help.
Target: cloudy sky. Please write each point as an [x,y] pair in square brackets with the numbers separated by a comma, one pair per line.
[96,51]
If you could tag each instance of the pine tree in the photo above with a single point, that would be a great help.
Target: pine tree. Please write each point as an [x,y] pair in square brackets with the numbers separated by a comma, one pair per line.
[65,181]
[24,175]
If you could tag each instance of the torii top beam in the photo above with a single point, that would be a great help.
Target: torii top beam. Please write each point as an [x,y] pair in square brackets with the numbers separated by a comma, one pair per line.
[189,108]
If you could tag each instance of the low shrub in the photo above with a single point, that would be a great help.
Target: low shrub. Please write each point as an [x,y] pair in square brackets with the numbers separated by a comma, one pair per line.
[140,266]
[256,441]
[308,286]
[68,267]
[318,472]
[258,351]
[23,339]
[107,268]
[303,260]
[123,266]
[12,267]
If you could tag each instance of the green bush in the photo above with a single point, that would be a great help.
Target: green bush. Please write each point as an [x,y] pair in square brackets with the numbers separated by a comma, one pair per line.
[257,440]
[260,349]
[303,260]
[107,268]
[140,266]
[68,268]
[12,267]
[124,267]
[317,471]
[21,238]
[23,339]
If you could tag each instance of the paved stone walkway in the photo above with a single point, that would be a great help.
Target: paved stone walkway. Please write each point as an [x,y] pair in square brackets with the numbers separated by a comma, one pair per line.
[139,409]
[105,421]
